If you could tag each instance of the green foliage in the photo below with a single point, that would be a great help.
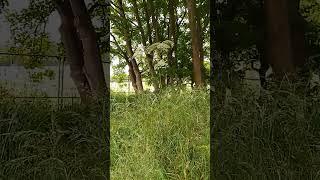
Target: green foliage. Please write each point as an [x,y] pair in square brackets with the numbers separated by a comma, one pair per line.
[275,137]
[39,76]
[119,75]
[164,136]
[3,3]
[310,11]
[41,143]
[160,47]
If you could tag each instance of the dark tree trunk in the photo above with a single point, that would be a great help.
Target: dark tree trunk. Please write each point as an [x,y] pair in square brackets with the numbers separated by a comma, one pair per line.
[147,19]
[73,48]
[285,41]
[92,58]
[297,24]
[155,22]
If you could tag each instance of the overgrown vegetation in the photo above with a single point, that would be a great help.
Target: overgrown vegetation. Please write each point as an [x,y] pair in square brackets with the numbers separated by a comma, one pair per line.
[164,136]
[274,137]
[40,143]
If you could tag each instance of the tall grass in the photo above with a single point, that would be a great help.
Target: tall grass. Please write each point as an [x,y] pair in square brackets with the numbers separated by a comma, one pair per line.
[274,137]
[163,136]
[37,142]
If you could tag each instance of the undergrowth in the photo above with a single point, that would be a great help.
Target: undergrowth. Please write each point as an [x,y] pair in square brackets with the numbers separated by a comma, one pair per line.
[274,137]
[163,136]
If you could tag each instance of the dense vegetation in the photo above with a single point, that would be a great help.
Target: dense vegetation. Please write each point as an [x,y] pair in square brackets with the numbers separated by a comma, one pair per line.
[165,134]
[274,137]
[153,136]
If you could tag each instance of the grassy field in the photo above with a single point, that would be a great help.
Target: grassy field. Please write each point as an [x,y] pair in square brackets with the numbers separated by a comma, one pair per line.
[274,137]
[164,136]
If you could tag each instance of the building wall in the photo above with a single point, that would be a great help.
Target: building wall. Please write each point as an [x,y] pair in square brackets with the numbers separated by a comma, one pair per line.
[17,78]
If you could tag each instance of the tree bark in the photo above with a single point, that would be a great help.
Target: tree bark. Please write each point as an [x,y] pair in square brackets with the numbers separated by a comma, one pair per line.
[297,24]
[74,53]
[195,41]
[172,36]
[92,58]
[126,34]
[155,22]
[149,57]
[147,19]
[278,40]
[285,41]
[133,77]
[131,71]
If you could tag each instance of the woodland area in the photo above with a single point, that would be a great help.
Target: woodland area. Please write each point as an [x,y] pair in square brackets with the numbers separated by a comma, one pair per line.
[83,43]
[275,134]
[164,42]
[282,35]
[166,134]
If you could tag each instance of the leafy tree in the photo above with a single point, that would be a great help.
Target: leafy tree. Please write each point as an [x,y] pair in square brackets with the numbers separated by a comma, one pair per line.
[82,42]
[150,27]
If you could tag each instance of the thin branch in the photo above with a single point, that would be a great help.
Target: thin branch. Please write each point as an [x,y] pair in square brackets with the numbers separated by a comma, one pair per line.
[182,18]
[112,4]
[124,54]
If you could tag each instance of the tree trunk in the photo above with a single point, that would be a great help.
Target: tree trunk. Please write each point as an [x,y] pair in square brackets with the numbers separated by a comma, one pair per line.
[73,48]
[195,41]
[172,36]
[297,24]
[92,58]
[132,60]
[278,41]
[147,19]
[200,45]
[131,71]
[285,43]
[149,57]
[155,22]
[133,78]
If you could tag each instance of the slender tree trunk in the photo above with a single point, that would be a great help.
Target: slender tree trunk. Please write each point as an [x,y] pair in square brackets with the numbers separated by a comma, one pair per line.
[132,76]
[137,73]
[147,19]
[149,57]
[92,58]
[195,41]
[73,48]
[155,21]
[131,71]
[132,60]
[172,36]
[200,45]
